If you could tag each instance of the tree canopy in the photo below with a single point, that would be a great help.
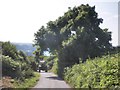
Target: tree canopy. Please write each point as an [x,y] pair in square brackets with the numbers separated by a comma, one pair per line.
[9,49]
[75,35]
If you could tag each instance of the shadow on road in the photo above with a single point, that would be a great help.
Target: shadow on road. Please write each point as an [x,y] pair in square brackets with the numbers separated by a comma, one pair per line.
[54,78]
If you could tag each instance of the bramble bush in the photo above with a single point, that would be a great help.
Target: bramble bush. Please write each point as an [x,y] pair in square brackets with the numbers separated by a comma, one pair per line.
[97,73]
[18,66]
[10,67]
[15,63]
[15,69]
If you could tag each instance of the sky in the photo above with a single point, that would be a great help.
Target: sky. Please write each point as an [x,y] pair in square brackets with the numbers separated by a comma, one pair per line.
[20,19]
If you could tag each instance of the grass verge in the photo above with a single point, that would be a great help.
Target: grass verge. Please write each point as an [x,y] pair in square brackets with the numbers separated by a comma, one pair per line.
[28,83]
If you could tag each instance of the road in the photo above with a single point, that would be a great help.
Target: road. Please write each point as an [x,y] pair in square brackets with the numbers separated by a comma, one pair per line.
[50,80]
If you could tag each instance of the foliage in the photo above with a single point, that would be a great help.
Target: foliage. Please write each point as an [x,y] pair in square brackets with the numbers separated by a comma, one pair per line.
[33,63]
[22,57]
[55,66]
[88,39]
[28,83]
[85,22]
[18,66]
[49,61]
[37,54]
[9,49]
[9,66]
[21,70]
[98,73]
[15,63]
[22,54]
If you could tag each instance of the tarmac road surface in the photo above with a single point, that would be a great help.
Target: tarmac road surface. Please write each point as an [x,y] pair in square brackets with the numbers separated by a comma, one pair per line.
[50,80]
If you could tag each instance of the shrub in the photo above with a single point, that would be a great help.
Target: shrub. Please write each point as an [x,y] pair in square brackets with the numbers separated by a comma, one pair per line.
[33,63]
[15,69]
[55,66]
[10,67]
[9,49]
[28,73]
[97,73]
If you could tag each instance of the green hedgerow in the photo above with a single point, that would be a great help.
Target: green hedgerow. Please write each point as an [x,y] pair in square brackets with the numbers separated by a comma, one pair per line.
[97,73]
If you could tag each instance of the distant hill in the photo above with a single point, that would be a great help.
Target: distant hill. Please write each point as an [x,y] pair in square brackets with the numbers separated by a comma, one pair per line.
[25,47]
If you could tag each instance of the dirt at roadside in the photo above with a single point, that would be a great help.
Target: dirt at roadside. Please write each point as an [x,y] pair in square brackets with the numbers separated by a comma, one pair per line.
[6,82]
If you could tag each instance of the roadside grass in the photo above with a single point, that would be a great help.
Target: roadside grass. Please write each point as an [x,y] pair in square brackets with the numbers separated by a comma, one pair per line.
[28,83]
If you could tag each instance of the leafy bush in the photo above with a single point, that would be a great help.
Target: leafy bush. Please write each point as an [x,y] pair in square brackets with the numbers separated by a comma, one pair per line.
[10,67]
[16,65]
[15,69]
[55,66]
[97,73]
[33,63]
[50,60]
[9,49]
[28,83]
[28,73]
